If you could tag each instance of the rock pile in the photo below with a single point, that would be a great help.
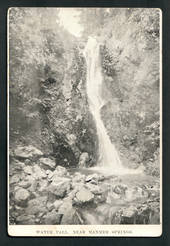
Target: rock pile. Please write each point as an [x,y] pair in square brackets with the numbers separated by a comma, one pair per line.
[42,192]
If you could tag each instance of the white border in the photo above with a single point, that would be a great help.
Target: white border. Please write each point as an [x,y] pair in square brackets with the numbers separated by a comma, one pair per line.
[86,230]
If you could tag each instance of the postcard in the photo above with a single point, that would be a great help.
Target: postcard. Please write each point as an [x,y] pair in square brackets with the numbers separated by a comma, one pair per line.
[85,122]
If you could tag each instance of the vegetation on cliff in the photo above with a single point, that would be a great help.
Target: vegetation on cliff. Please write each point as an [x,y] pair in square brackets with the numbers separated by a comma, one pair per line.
[48,83]
[130,60]
[48,102]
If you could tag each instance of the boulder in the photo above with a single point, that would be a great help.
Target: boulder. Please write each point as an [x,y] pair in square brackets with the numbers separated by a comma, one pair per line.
[120,189]
[95,189]
[60,187]
[50,175]
[72,193]
[25,220]
[13,215]
[55,178]
[21,196]
[129,212]
[28,170]
[144,214]
[19,209]
[134,193]
[27,152]
[14,179]
[91,177]
[39,172]
[125,216]
[36,206]
[94,178]
[67,210]
[28,162]
[69,214]
[47,163]
[34,183]
[24,184]
[50,206]
[148,213]
[48,172]
[84,158]
[100,199]
[129,194]
[78,178]
[58,173]
[61,171]
[77,186]
[43,187]
[16,165]
[57,204]
[101,178]
[84,196]
[52,218]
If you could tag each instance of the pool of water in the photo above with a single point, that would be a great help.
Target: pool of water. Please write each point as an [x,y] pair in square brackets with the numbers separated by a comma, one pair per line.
[132,178]
[102,213]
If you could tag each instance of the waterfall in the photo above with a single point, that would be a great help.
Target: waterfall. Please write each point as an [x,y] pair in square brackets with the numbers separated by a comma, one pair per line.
[108,156]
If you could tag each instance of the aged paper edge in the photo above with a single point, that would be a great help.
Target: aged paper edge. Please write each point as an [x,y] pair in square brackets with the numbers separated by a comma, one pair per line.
[86,230]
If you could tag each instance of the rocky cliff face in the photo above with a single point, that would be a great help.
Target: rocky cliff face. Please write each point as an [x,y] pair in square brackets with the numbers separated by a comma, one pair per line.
[48,102]
[66,117]
[130,60]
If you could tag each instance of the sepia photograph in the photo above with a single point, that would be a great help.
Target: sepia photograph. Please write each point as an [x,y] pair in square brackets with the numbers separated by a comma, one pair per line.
[84,121]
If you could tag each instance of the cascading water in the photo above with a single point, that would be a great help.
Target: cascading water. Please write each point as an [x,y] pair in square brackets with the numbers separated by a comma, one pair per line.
[109,159]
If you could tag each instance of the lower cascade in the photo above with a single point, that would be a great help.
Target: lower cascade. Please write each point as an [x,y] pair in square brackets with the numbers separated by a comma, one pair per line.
[109,159]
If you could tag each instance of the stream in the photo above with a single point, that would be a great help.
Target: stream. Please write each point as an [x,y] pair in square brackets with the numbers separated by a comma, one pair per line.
[124,192]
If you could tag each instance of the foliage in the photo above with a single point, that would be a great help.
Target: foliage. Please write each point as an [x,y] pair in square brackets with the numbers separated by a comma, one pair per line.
[130,63]
[47,83]
[48,102]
